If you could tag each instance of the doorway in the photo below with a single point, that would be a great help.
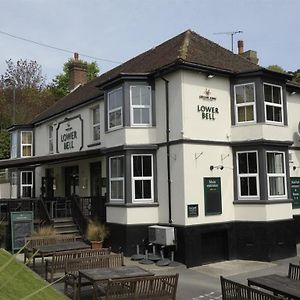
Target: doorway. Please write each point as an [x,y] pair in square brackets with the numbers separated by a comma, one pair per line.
[71,181]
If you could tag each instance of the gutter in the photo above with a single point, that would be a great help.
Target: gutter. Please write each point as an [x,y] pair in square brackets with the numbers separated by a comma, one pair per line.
[168,148]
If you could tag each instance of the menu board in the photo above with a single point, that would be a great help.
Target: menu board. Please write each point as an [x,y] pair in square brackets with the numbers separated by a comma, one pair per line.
[21,227]
[295,191]
[212,195]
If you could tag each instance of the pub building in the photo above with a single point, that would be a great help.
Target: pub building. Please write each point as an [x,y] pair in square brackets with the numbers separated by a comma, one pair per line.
[186,135]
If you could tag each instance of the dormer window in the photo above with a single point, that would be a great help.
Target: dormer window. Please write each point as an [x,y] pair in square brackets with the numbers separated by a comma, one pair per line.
[26,143]
[273,103]
[140,100]
[244,95]
[115,108]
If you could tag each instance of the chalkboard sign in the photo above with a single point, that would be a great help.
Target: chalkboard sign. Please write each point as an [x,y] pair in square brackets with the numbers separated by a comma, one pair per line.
[21,227]
[192,210]
[295,191]
[212,195]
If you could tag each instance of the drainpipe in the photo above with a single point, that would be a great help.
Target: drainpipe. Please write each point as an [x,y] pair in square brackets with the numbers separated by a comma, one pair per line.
[168,148]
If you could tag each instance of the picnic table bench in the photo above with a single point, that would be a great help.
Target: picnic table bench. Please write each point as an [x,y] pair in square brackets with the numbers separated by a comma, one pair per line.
[232,290]
[35,242]
[151,287]
[73,266]
[58,260]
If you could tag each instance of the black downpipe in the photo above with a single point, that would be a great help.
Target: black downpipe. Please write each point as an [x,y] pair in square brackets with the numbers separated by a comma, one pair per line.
[168,148]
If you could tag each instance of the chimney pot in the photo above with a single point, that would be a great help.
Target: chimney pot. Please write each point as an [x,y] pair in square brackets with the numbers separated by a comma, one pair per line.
[240,46]
[76,56]
[78,72]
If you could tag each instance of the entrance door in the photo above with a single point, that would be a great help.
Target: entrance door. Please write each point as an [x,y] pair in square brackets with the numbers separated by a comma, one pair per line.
[71,181]
[47,184]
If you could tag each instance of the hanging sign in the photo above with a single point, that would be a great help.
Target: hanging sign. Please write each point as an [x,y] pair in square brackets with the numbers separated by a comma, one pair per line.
[70,135]
[295,191]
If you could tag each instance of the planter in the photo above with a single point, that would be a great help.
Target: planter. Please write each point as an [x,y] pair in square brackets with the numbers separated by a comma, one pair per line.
[97,244]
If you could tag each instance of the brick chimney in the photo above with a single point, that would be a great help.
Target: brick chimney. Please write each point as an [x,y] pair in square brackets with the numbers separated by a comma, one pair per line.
[250,54]
[78,72]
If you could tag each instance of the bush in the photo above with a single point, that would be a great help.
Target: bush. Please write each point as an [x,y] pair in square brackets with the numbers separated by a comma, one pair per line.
[96,231]
[45,231]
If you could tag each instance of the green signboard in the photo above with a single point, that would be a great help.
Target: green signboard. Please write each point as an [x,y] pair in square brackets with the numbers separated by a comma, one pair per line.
[21,227]
[295,191]
[212,195]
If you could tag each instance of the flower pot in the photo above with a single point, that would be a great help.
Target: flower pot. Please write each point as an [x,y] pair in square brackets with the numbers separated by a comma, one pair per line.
[97,244]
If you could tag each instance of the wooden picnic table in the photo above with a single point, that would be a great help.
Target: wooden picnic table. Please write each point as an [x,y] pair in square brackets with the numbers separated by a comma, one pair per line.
[103,274]
[50,249]
[278,284]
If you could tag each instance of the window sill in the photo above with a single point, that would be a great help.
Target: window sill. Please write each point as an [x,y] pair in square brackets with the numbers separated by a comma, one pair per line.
[110,204]
[262,202]
[94,144]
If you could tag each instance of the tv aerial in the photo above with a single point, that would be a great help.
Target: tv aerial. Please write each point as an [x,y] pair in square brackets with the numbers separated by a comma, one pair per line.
[232,33]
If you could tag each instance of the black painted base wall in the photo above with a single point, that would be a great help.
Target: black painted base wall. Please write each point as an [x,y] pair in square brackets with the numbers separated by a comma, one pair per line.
[202,244]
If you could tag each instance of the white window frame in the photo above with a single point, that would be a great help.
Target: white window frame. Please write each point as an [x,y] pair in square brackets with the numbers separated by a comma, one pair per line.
[31,145]
[51,138]
[14,145]
[269,175]
[116,179]
[26,184]
[93,125]
[133,179]
[237,105]
[239,176]
[266,103]
[133,106]
[114,110]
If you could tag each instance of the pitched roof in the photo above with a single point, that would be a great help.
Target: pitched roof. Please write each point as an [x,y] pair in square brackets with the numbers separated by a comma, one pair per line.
[187,47]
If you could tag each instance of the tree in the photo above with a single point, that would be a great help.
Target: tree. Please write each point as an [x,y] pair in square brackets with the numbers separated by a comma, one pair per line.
[276,68]
[60,84]
[4,144]
[296,76]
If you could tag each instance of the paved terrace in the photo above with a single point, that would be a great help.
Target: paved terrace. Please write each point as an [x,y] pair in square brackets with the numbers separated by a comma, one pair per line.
[203,282]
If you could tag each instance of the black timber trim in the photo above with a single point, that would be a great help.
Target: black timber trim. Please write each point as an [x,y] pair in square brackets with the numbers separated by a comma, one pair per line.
[262,142]
[130,147]
[262,202]
[94,144]
[155,204]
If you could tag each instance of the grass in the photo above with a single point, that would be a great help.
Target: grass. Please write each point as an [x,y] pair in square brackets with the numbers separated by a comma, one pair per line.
[17,281]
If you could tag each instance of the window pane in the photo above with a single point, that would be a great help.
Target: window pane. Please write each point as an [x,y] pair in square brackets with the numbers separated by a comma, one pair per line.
[117,167]
[115,99]
[96,133]
[244,186]
[26,191]
[242,161]
[276,95]
[269,113]
[116,189]
[276,185]
[26,137]
[275,163]
[135,95]
[249,113]
[241,114]
[50,132]
[26,150]
[115,118]
[239,94]
[249,93]
[137,166]
[147,189]
[145,95]
[252,186]
[137,116]
[138,188]
[96,116]
[145,116]
[277,114]
[252,162]
[268,93]
[147,166]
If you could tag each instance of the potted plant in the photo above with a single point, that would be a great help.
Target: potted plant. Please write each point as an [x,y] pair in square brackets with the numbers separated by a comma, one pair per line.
[96,234]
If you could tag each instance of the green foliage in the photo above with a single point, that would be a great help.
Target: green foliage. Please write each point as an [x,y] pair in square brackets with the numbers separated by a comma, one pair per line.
[4,144]
[60,84]
[276,68]
[296,75]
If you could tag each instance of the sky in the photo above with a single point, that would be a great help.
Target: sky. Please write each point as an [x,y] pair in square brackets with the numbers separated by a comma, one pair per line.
[114,31]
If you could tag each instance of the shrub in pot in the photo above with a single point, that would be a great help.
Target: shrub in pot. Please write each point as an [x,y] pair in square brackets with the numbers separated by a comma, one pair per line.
[96,234]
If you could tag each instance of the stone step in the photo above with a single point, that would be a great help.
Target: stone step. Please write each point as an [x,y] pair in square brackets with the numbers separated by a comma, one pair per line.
[62,220]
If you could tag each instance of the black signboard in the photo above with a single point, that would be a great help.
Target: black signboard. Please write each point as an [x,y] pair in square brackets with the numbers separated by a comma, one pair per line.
[212,195]
[192,210]
[21,227]
[295,191]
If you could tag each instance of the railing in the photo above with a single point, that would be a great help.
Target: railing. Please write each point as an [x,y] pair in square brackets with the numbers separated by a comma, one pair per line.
[79,217]
[45,218]
[93,207]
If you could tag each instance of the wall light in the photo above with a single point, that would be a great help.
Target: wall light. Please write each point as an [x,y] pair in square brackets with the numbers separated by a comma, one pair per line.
[294,168]
[293,93]
[210,76]
[219,167]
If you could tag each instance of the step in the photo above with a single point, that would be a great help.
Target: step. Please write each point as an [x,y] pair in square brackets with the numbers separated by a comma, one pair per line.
[64,225]
[62,220]
[68,228]
[68,231]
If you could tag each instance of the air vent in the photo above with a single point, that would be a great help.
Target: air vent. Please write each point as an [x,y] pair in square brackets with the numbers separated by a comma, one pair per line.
[162,235]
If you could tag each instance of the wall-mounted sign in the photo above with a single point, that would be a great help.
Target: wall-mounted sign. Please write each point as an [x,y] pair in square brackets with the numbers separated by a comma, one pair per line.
[192,210]
[69,135]
[295,191]
[207,95]
[212,195]
[208,112]
[21,227]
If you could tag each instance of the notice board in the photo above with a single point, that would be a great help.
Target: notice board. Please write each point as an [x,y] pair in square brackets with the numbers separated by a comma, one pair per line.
[295,191]
[21,227]
[212,195]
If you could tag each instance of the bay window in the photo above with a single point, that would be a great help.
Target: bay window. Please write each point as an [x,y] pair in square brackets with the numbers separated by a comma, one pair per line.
[142,177]
[248,181]
[273,103]
[115,108]
[140,101]
[116,178]
[276,175]
[244,95]
[26,143]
